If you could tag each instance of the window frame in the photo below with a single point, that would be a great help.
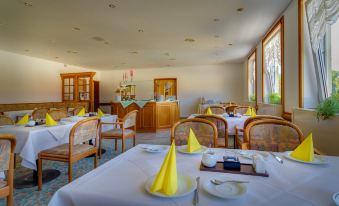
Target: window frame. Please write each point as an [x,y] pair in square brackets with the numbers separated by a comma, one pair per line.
[268,36]
[254,52]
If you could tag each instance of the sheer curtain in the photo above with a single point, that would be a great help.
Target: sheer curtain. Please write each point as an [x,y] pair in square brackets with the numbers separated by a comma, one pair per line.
[320,14]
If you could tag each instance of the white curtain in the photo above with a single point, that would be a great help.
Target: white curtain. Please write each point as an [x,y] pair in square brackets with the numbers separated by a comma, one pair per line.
[320,14]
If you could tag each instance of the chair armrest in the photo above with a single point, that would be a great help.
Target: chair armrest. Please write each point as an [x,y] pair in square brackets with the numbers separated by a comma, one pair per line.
[121,123]
[245,146]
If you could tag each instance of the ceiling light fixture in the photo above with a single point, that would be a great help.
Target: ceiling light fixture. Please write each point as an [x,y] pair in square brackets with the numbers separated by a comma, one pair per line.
[140,30]
[28,4]
[240,9]
[76,28]
[189,40]
[98,38]
[112,6]
[230,44]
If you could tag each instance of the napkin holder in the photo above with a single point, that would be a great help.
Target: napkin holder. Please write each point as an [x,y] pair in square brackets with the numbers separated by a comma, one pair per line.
[231,163]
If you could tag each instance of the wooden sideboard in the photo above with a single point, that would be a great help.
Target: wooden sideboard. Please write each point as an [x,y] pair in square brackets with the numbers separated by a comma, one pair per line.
[153,116]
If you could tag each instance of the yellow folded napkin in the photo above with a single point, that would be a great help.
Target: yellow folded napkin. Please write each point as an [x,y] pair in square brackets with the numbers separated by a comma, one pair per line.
[253,114]
[100,113]
[192,142]
[50,121]
[166,181]
[24,120]
[249,111]
[305,150]
[209,111]
[81,113]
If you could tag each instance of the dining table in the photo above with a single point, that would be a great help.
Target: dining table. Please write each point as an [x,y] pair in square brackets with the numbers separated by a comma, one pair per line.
[31,140]
[121,181]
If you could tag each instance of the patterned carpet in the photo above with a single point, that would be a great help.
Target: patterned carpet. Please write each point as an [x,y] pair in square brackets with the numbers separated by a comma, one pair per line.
[32,197]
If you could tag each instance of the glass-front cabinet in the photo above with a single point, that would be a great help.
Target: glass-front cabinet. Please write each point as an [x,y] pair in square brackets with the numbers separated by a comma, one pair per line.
[78,87]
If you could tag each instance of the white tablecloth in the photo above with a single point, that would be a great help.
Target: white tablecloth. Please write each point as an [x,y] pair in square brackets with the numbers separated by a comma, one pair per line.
[14,114]
[31,140]
[121,182]
[232,122]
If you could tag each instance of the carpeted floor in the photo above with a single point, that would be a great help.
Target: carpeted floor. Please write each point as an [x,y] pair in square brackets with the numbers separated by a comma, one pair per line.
[32,197]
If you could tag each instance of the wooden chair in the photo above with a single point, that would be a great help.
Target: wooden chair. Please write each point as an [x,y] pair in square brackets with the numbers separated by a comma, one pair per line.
[222,127]
[240,109]
[272,135]
[239,131]
[5,120]
[77,110]
[127,129]
[227,104]
[230,108]
[39,113]
[205,131]
[216,109]
[58,114]
[7,148]
[76,149]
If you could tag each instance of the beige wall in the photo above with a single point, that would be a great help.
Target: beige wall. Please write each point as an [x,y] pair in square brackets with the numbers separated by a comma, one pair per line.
[29,79]
[218,82]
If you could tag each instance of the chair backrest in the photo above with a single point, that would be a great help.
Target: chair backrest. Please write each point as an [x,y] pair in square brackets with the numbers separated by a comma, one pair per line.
[220,123]
[77,110]
[230,108]
[273,135]
[216,109]
[227,104]
[7,147]
[260,117]
[5,120]
[58,114]
[130,119]
[39,113]
[240,109]
[205,131]
[84,130]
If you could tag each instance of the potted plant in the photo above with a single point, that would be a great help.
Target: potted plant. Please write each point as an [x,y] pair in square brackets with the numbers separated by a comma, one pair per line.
[328,108]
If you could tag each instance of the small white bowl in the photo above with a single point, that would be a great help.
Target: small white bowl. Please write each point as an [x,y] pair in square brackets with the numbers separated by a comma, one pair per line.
[336,198]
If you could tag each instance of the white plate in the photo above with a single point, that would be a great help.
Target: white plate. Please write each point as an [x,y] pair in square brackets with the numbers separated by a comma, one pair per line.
[336,198]
[154,148]
[183,149]
[318,160]
[249,154]
[229,190]
[186,185]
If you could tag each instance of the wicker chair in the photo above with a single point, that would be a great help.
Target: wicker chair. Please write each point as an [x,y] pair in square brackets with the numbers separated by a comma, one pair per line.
[205,131]
[216,109]
[222,127]
[5,120]
[75,150]
[272,135]
[126,130]
[239,138]
[7,147]
[227,104]
[240,109]
[39,113]
[77,110]
[58,114]
[230,108]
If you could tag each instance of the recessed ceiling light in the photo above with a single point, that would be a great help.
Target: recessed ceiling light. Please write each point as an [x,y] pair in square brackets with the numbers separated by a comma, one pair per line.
[240,9]
[76,28]
[112,6]
[189,40]
[216,19]
[98,38]
[28,4]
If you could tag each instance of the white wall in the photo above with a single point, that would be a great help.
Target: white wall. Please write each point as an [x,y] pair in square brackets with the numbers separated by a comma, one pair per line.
[29,79]
[218,82]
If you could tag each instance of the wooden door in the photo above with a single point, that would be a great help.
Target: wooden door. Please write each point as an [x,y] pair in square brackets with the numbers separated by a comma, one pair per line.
[96,95]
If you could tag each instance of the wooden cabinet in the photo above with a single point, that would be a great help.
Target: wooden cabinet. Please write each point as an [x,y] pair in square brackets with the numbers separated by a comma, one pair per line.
[153,116]
[78,87]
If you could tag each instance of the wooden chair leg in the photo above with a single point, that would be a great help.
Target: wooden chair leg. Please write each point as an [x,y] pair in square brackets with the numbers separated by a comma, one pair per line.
[39,174]
[100,143]
[70,171]
[134,141]
[96,160]
[122,145]
[10,199]
[116,144]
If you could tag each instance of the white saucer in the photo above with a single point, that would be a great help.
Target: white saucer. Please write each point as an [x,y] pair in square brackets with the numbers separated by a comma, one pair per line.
[336,198]
[183,149]
[318,160]
[229,190]
[154,148]
[186,185]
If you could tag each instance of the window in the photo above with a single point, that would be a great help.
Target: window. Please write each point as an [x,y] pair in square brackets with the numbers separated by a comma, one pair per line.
[273,65]
[251,74]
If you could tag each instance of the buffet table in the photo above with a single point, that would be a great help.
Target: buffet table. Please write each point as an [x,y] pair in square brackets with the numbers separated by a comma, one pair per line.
[121,181]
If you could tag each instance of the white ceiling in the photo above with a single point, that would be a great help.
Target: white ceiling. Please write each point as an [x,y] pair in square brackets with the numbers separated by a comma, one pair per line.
[46,30]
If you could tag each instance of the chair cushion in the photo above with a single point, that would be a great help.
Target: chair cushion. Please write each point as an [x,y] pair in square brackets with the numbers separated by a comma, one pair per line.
[3,183]
[64,149]
[117,132]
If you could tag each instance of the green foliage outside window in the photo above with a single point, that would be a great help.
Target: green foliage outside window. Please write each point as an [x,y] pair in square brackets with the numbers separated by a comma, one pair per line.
[275,98]
[328,108]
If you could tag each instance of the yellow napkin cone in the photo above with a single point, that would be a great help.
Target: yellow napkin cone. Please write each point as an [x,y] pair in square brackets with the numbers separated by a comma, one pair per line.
[24,120]
[100,113]
[166,181]
[81,113]
[192,142]
[209,111]
[50,121]
[305,150]
[253,114]
[249,111]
